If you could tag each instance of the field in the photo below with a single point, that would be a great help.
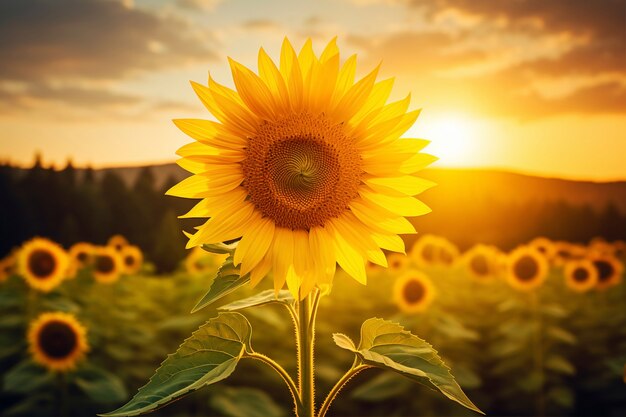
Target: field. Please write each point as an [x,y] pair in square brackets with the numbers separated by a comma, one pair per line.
[554,349]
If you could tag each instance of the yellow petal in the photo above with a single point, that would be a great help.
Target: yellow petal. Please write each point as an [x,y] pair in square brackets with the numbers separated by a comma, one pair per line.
[323,254]
[402,206]
[348,257]
[380,219]
[253,91]
[254,245]
[282,256]
[345,79]
[355,97]
[330,50]
[210,133]
[390,242]
[290,70]
[274,80]
[358,236]
[226,226]
[406,184]
[210,206]
[261,270]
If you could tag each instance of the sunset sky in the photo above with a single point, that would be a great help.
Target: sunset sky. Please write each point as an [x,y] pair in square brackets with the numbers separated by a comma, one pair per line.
[536,86]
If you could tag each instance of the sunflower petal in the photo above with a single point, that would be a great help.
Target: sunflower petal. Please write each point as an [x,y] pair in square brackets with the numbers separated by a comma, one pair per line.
[254,245]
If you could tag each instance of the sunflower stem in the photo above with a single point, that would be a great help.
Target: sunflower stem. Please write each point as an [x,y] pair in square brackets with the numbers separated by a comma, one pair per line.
[538,351]
[293,390]
[355,369]
[306,341]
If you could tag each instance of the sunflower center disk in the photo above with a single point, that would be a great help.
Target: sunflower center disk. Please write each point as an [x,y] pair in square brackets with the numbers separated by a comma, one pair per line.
[605,270]
[104,264]
[479,265]
[526,268]
[414,291]
[41,263]
[301,171]
[57,340]
[580,275]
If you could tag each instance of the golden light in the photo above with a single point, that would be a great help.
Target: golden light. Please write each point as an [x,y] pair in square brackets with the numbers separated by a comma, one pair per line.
[453,139]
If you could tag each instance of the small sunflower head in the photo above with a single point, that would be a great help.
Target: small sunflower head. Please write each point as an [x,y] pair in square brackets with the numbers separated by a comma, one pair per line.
[544,246]
[580,275]
[481,263]
[397,262]
[199,261]
[57,341]
[107,264]
[43,264]
[526,268]
[413,292]
[117,242]
[132,258]
[81,253]
[424,250]
[609,270]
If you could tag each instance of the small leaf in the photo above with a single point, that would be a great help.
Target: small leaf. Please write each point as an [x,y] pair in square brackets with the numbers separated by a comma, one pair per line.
[561,335]
[245,402]
[226,281]
[100,385]
[220,248]
[344,342]
[208,356]
[560,364]
[388,346]
[26,377]
[262,298]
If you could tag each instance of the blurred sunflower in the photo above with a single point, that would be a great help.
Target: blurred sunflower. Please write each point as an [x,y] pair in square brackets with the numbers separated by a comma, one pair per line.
[527,268]
[424,251]
[481,263]
[81,253]
[57,341]
[544,246]
[7,267]
[619,249]
[413,292]
[580,275]
[107,264]
[43,264]
[305,166]
[200,261]
[117,242]
[132,258]
[398,262]
[448,253]
[609,270]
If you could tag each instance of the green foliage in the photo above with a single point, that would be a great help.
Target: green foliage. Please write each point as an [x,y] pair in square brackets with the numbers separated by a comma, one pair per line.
[226,281]
[208,356]
[245,402]
[26,377]
[283,297]
[99,385]
[388,346]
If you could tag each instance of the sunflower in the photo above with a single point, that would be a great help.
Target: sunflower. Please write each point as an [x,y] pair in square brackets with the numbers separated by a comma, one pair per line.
[107,264]
[526,268]
[57,341]
[7,267]
[398,262]
[609,270]
[117,242]
[43,264]
[81,253]
[413,292]
[580,275]
[448,253]
[305,166]
[544,246]
[425,250]
[132,258]
[481,263]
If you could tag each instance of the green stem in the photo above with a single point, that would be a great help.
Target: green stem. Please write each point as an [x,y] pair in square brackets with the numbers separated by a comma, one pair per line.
[283,373]
[355,369]
[538,351]
[306,337]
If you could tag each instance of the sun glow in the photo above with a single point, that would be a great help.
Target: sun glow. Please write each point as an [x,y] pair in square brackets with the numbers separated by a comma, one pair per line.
[453,139]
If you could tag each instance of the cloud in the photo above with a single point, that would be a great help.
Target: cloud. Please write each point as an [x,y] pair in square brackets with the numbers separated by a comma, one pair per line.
[199,5]
[91,39]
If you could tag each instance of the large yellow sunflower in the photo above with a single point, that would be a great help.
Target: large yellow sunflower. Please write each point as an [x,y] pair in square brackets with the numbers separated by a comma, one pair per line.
[107,264]
[413,292]
[57,341]
[305,166]
[43,264]
[527,268]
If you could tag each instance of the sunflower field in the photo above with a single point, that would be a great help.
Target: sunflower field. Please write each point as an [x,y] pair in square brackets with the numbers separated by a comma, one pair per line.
[540,330]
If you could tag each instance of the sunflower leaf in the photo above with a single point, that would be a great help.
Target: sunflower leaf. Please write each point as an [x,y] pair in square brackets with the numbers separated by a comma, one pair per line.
[262,298]
[226,281]
[208,356]
[221,248]
[388,346]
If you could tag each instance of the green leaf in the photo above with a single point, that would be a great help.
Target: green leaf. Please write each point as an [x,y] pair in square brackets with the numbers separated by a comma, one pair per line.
[388,346]
[560,364]
[226,281]
[208,356]
[561,335]
[245,402]
[100,385]
[26,377]
[262,298]
[382,387]
[220,248]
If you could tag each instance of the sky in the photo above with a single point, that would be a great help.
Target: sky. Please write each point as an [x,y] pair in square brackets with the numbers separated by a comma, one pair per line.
[533,86]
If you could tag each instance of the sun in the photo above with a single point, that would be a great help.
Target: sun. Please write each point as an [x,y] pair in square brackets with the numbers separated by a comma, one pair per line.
[454,139]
